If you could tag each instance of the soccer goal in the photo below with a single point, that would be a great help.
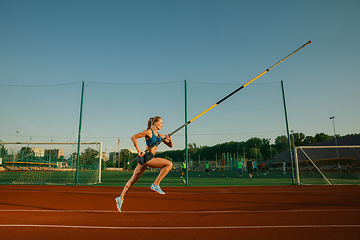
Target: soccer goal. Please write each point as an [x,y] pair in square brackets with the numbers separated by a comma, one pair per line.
[327,164]
[50,163]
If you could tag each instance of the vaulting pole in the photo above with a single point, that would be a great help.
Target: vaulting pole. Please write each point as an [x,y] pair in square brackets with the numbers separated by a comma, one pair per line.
[229,95]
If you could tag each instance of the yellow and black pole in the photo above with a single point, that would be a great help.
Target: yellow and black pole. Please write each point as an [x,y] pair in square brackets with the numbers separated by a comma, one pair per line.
[229,95]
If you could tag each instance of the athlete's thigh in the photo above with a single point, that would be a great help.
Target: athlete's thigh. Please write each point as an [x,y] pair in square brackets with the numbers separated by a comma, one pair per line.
[157,162]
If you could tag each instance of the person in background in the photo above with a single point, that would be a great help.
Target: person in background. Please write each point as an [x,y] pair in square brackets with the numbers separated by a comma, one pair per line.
[255,168]
[262,167]
[250,168]
[207,170]
[339,167]
[240,167]
[284,167]
[267,168]
[183,168]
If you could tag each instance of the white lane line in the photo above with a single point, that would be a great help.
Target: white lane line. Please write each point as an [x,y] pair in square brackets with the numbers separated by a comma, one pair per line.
[178,212]
[202,191]
[182,227]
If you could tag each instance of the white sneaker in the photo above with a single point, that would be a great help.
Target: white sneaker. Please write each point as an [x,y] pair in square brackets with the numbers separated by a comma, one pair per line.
[119,203]
[156,188]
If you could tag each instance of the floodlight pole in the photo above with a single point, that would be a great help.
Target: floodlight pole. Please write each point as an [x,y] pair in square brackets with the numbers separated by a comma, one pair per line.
[79,137]
[288,133]
[333,120]
[186,145]
[270,147]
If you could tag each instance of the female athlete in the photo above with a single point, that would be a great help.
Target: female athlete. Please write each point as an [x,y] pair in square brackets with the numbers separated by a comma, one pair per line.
[148,158]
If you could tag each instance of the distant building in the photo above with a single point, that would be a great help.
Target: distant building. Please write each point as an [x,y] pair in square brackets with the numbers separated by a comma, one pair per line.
[39,152]
[113,156]
[55,152]
[104,156]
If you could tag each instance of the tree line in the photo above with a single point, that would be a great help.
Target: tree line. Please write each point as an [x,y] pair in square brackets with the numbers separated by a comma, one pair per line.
[254,148]
[88,157]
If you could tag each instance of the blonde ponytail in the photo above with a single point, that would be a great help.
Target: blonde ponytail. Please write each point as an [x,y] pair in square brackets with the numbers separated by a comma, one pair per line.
[150,122]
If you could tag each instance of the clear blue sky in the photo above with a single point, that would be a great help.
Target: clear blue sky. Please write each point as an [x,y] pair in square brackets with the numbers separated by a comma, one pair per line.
[230,42]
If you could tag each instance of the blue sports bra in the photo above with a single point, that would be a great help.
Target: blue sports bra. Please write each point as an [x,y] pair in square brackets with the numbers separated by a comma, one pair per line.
[154,139]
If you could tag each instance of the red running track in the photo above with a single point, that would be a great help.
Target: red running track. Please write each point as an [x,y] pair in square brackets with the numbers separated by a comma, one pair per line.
[271,212]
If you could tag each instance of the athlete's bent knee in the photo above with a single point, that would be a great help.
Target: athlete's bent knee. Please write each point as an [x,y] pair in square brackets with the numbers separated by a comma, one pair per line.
[169,165]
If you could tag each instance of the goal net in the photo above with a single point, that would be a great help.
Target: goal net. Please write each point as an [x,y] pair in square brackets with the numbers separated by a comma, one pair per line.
[328,164]
[50,163]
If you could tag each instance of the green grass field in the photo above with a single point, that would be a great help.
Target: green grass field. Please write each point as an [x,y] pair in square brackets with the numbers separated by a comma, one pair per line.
[215,179]
[227,178]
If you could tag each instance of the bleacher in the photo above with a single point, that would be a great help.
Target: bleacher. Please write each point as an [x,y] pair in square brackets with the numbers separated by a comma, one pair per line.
[29,166]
